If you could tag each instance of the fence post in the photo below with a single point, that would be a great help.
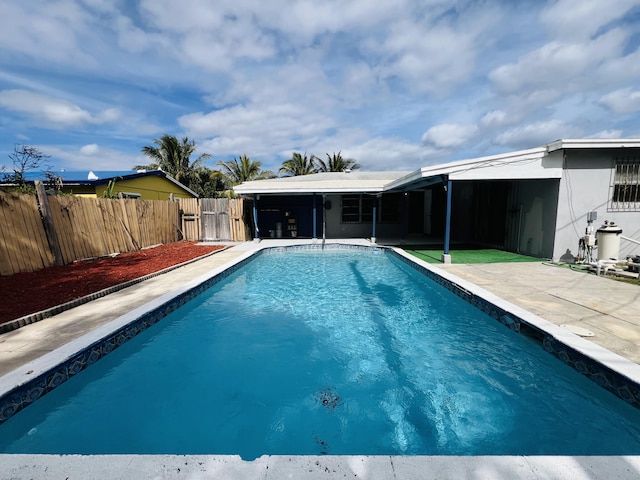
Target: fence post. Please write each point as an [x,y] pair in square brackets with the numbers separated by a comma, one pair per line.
[47,220]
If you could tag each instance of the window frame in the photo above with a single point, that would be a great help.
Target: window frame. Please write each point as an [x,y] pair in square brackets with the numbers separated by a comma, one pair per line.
[359,208]
[624,195]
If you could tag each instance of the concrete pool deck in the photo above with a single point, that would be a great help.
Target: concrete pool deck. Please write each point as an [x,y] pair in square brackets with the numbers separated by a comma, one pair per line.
[611,310]
[607,308]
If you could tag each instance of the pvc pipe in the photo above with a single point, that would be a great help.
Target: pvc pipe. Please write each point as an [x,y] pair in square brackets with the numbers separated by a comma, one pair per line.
[630,239]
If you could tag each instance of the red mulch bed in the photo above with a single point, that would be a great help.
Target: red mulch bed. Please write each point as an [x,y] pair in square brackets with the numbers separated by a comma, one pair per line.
[30,292]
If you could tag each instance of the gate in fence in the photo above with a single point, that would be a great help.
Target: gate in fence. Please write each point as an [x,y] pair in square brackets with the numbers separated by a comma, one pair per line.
[215,219]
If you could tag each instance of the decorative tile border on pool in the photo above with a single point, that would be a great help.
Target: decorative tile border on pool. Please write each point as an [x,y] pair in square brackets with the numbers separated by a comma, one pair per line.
[25,394]
[607,378]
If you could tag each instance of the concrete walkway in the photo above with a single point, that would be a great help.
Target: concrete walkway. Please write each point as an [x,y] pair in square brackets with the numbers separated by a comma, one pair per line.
[607,308]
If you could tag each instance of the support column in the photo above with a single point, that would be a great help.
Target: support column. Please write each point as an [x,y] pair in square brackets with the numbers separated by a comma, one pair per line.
[446,258]
[315,216]
[256,235]
[324,218]
[375,216]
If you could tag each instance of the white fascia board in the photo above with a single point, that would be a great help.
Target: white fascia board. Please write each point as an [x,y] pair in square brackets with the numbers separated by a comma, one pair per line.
[530,165]
[513,165]
[307,191]
[568,143]
[406,180]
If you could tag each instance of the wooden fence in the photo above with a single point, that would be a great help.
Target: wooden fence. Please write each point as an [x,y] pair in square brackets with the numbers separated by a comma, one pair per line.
[44,230]
[78,228]
[93,227]
[214,219]
[23,242]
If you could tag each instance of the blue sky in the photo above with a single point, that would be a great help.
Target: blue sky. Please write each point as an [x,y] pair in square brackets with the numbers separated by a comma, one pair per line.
[394,84]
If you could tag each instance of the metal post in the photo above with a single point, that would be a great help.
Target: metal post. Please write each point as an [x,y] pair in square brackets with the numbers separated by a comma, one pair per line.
[446,258]
[375,214]
[314,217]
[324,218]
[256,236]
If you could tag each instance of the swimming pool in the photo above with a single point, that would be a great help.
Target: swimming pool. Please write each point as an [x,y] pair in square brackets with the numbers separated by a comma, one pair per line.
[362,390]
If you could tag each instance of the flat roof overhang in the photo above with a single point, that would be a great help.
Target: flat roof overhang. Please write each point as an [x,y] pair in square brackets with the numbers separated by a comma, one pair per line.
[535,163]
[321,183]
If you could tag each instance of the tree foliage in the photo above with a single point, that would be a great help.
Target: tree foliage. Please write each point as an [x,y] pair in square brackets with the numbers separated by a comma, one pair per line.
[243,169]
[211,183]
[335,163]
[173,157]
[298,164]
[25,158]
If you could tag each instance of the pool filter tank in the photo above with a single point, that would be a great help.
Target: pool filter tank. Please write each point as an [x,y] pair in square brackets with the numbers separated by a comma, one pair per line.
[608,237]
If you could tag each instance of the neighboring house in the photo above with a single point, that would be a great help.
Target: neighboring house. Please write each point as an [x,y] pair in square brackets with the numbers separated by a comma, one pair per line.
[533,202]
[148,185]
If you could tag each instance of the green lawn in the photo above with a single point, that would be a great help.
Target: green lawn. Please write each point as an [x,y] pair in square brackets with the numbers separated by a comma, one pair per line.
[469,256]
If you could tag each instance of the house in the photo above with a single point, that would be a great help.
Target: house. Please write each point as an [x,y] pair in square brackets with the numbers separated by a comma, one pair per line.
[535,202]
[145,185]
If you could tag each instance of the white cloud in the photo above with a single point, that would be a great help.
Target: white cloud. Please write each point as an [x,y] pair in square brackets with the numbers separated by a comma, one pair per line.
[607,134]
[46,30]
[431,54]
[583,19]
[557,65]
[92,157]
[90,149]
[256,130]
[494,118]
[52,111]
[538,133]
[269,77]
[619,70]
[390,154]
[449,135]
[625,100]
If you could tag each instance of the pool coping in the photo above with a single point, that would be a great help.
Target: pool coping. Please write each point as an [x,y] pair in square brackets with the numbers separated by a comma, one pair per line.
[272,467]
[617,374]
[40,367]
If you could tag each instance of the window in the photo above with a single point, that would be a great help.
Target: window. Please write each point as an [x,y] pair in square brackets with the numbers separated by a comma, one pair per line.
[129,195]
[626,185]
[357,208]
[351,209]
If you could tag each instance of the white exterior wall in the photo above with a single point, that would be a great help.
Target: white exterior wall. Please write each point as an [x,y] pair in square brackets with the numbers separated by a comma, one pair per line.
[585,187]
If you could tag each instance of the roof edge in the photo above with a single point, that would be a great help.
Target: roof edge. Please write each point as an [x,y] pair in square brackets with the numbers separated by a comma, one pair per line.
[569,143]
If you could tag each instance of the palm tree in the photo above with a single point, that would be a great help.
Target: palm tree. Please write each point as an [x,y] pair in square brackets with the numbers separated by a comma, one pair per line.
[335,163]
[174,158]
[244,169]
[298,165]
[210,183]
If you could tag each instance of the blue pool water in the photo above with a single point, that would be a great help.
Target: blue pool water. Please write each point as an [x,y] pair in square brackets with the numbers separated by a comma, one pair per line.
[327,352]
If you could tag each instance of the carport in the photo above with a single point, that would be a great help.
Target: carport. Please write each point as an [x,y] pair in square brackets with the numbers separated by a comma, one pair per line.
[506,201]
